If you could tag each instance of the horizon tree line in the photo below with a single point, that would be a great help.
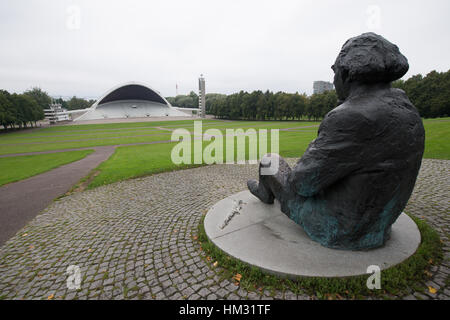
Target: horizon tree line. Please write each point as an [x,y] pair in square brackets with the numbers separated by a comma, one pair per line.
[25,109]
[430,95]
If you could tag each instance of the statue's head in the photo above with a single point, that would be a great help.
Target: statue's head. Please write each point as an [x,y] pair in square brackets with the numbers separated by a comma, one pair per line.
[367,59]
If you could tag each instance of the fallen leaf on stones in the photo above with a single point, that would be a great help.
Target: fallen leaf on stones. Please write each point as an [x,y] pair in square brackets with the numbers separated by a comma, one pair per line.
[50,297]
[89,250]
[431,289]
[429,274]
[195,237]
[237,277]
[25,234]
[215,264]
[208,258]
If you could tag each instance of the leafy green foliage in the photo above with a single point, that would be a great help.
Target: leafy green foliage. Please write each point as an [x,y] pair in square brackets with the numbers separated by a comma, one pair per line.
[77,103]
[191,100]
[269,106]
[21,109]
[41,97]
[429,94]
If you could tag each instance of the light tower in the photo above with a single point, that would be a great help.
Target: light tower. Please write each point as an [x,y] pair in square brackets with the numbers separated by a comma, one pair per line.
[201,96]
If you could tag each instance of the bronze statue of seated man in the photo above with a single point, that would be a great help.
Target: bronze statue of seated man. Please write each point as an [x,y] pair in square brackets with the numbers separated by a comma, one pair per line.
[356,177]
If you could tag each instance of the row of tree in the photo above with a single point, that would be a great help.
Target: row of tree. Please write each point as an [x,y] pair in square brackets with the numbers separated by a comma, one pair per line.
[20,109]
[191,100]
[75,103]
[430,94]
[184,101]
[259,105]
[25,109]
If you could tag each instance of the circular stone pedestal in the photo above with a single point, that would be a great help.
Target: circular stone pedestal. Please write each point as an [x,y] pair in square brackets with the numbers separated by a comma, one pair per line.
[261,235]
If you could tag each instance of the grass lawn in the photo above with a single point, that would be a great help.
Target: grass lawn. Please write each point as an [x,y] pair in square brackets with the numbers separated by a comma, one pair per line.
[134,161]
[437,139]
[99,141]
[18,168]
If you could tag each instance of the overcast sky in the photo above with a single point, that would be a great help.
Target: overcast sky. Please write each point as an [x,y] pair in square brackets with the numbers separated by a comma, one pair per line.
[84,48]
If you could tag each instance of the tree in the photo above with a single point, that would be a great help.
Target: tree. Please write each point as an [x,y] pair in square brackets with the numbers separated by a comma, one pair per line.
[194,98]
[299,105]
[261,107]
[62,102]
[25,109]
[7,112]
[77,103]
[429,94]
[211,98]
[41,97]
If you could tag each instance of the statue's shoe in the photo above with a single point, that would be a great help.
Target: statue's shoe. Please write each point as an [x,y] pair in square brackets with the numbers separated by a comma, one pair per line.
[259,191]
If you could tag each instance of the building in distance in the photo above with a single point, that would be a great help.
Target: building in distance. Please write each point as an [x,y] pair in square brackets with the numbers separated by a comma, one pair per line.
[322,86]
[55,113]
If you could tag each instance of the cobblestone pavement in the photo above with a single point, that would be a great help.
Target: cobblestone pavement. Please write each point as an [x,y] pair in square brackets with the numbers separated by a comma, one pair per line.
[134,239]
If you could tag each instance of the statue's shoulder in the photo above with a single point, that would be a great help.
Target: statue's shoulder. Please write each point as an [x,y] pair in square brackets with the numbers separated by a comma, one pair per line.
[376,107]
[348,111]
[346,117]
[399,94]
[397,91]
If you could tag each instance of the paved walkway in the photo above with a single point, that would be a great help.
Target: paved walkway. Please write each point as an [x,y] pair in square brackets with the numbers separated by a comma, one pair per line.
[134,239]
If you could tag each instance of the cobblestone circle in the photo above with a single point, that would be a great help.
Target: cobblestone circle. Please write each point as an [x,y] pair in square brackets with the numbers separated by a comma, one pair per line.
[134,239]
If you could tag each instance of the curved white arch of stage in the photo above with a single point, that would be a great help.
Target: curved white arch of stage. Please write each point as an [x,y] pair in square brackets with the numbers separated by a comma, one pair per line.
[130,109]
[130,100]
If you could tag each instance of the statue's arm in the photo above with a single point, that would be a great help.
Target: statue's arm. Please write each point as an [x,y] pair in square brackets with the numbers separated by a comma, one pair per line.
[334,154]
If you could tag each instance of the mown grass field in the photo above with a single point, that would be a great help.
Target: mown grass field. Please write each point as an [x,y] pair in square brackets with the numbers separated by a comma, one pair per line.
[139,160]
[82,136]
